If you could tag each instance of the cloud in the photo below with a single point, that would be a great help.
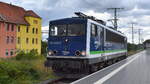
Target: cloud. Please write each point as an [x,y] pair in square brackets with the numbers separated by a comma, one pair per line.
[143,4]
[45,32]
[45,28]
[134,11]
[54,9]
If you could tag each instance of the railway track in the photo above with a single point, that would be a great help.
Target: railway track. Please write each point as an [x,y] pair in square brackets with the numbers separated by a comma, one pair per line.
[59,81]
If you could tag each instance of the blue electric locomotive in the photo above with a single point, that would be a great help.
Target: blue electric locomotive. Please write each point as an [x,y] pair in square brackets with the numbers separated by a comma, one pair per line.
[80,45]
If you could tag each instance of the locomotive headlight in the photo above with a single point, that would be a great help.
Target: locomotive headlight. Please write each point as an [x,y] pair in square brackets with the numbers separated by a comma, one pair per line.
[50,53]
[83,53]
[77,53]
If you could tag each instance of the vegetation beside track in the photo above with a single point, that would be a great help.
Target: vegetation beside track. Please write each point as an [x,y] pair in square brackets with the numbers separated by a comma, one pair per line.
[25,68]
[134,48]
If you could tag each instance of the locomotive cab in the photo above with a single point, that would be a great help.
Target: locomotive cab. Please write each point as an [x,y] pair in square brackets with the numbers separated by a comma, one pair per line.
[67,37]
[67,46]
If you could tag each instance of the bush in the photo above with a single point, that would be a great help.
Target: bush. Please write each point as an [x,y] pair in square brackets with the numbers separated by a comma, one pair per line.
[25,68]
[17,73]
[33,54]
[134,47]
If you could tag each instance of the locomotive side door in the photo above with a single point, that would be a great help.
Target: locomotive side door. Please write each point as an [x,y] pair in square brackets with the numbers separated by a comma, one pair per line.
[96,43]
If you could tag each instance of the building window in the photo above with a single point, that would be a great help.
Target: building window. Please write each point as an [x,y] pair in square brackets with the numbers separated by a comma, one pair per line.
[6,53]
[27,29]
[27,40]
[32,40]
[18,28]
[11,53]
[33,30]
[12,39]
[18,40]
[36,31]
[7,39]
[7,26]
[12,27]
[35,21]
[36,41]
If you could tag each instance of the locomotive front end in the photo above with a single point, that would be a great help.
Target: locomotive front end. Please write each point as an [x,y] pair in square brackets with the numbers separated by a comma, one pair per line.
[66,45]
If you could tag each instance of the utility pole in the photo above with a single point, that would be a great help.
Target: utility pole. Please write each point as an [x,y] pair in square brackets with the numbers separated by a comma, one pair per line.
[139,32]
[115,16]
[132,32]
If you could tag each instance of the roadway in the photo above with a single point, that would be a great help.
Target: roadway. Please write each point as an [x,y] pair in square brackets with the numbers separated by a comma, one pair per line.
[133,70]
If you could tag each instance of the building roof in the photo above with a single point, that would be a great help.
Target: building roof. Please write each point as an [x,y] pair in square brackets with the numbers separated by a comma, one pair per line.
[31,13]
[14,14]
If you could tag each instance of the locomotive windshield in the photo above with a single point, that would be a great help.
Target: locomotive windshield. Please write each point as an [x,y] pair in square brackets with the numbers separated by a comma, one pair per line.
[67,30]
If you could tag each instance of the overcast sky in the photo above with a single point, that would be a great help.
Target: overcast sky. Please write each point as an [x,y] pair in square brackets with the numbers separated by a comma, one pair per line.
[137,11]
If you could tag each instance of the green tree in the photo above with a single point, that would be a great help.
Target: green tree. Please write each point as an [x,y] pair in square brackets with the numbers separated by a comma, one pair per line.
[44,48]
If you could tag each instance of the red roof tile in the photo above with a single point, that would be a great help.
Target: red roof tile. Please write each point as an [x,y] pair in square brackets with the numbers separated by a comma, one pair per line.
[31,13]
[15,14]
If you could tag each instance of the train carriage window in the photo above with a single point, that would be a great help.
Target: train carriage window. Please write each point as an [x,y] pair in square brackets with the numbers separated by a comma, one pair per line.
[94,30]
[67,30]
[115,39]
[58,30]
[76,30]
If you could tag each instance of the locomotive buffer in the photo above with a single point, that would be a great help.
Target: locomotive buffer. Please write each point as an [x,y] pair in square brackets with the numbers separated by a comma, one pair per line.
[133,70]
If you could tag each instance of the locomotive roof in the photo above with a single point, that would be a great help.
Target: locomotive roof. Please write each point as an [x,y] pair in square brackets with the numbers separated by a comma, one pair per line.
[73,20]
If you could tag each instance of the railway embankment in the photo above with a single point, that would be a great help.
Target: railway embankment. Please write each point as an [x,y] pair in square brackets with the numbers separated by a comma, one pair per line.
[134,52]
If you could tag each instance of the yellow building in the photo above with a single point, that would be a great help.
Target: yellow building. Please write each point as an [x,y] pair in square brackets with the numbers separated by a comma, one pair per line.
[29,35]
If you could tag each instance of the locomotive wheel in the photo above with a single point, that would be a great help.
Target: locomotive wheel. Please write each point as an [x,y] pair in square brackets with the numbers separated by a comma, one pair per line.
[101,66]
